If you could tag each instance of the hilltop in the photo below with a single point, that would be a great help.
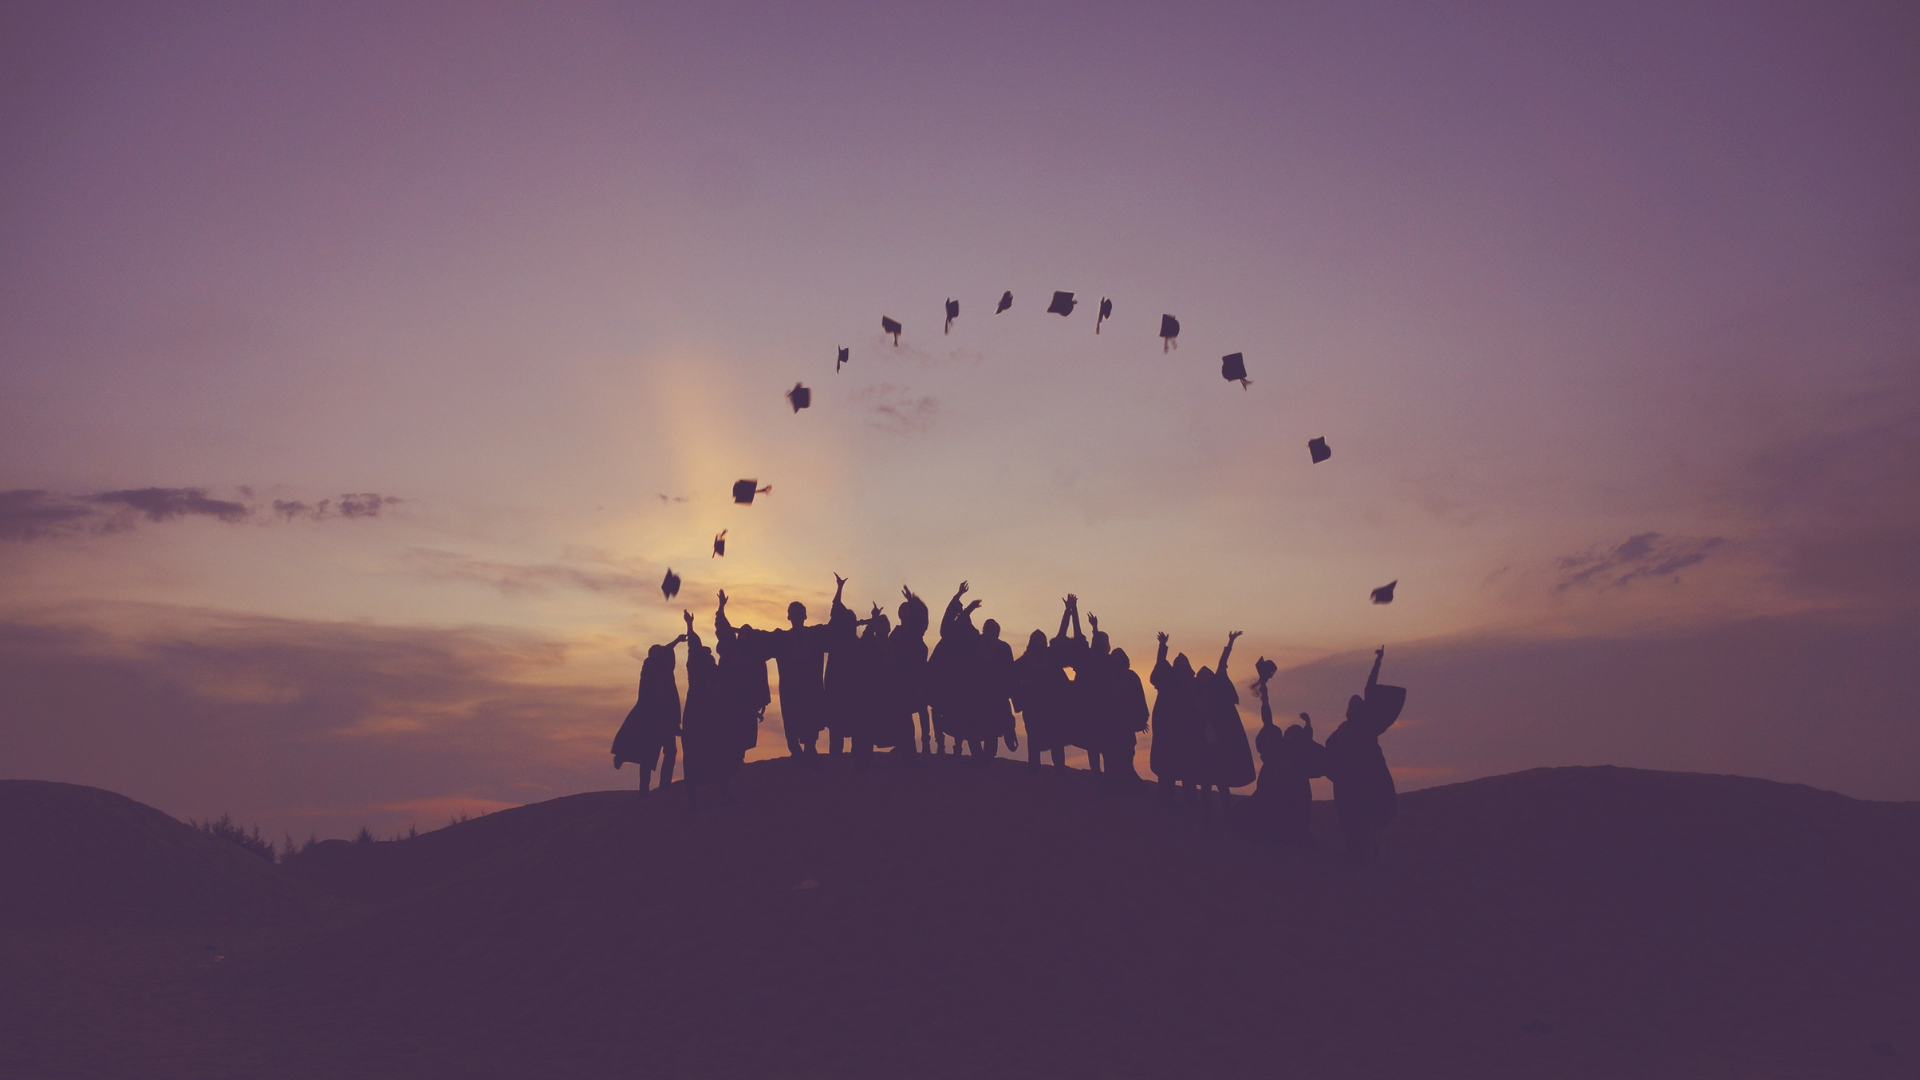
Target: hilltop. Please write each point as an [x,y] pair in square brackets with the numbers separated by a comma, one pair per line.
[946,921]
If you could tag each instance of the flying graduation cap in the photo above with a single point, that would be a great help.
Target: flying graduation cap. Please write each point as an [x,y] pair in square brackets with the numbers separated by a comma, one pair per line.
[1106,312]
[1169,333]
[1233,368]
[670,587]
[841,360]
[744,491]
[953,312]
[720,545]
[888,326]
[1384,594]
[1006,301]
[1319,449]
[1062,304]
[799,397]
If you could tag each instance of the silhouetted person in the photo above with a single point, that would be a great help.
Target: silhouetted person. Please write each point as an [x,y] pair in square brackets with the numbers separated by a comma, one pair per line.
[878,718]
[1126,713]
[743,675]
[1070,653]
[649,735]
[799,651]
[996,679]
[1226,756]
[1363,793]
[842,678]
[1176,728]
[1040,688]
[713,750]
[954,668]
[1282,804]
[908,647]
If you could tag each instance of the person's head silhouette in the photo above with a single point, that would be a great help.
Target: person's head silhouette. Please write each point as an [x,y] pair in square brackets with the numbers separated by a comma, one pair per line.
[797,613]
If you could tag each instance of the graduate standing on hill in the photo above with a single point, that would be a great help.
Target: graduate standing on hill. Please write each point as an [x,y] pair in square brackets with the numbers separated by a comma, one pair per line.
[1226,758]
[842,684]
[1363,793]
[1069,653]
[1039,688]
[1282,804]
[799,651]
[954,670]
[648,736]
[996,689]
[743,675]
[1126,713]
[1176,733]
[712,749]
[907,652]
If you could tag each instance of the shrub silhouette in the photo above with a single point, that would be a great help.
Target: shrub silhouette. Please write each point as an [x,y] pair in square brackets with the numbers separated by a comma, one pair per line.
[227,829]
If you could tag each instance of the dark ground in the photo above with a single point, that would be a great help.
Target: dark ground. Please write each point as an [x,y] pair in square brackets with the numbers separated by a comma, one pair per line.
[1553,923]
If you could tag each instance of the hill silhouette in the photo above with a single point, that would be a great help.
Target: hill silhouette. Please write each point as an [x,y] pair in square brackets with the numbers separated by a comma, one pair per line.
[952,922]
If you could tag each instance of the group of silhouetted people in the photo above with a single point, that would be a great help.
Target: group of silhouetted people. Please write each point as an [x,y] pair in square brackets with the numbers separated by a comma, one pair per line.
[868,684]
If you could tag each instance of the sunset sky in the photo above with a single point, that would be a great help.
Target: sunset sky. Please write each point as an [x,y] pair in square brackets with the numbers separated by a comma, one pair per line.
[1611,318]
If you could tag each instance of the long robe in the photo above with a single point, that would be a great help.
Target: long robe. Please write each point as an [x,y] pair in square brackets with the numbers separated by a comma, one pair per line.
[1039,689]
[743,679]
[800,655]
[882,722]
[907,658]
[1363,791]
[1176,736]
[1283,801]
[712,747]
[843,693]
[654,720]
[953,670]
[995,686]
[1226,756]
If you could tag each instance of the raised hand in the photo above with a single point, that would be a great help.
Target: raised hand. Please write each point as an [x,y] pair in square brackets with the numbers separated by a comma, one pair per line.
[906,593]
[1163,637]
[972,604]
[723,598]
[962,590]
[687,615]
[1094,621]
[1380,652]
[839,582]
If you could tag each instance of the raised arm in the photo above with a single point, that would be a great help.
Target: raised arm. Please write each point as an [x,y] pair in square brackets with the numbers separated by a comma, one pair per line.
[1266,707]
[1226,652]
[1073,608]
[1373,677]
[722,629]
[693,639]
[839,587]
[1066,612]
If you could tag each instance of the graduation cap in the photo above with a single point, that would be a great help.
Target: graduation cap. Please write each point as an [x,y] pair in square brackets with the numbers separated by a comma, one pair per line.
[888,326]
[744,491]
[1169,331]
[1062,304]
[1233,368]
[842,360]
[1106,312]
[953,312]
[670,588]
[720,544]
[799,397]
[1006,301]
[1319,449]
[1384,594]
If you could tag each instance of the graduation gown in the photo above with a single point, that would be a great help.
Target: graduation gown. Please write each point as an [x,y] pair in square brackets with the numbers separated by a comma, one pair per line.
[711,748]
[1226,755]
[1175,726]
[654,720]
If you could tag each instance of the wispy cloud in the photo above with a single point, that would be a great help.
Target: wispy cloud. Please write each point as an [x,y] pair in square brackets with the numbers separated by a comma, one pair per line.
[34,514]
[525,578]
[895,408]
[1648,555]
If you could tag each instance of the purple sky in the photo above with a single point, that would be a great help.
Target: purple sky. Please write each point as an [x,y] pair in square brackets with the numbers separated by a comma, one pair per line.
[1611,319]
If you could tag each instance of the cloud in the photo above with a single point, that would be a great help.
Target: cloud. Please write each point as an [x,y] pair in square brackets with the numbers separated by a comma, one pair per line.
[895,409]
[523,578]
[303,725]
[166,504]
[33,515]
[1648,555]
[36,515]
[1812,697]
